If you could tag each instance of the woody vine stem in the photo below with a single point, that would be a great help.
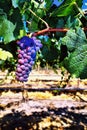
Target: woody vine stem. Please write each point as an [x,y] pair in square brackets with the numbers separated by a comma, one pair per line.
[49,29]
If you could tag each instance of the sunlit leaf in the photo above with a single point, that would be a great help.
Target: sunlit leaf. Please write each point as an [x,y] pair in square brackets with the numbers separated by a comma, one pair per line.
[5,54]
[15,3]
[66,8]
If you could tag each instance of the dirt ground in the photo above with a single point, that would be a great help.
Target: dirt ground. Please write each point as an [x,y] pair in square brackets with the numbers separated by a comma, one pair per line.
[45,110]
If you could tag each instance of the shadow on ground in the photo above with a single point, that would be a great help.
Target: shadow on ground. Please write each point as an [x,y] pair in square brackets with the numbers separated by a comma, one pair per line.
[52,119]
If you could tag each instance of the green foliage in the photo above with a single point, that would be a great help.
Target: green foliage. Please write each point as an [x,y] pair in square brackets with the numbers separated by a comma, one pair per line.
[15,3]
[50,53]
[48,4]
[76,61]
[6,60]
[5,54]
[68,7]
[70,47]
[73,23]
[6,28]
[72,38]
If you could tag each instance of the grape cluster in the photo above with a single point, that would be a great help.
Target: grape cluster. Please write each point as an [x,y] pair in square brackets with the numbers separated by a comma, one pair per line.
[26,56]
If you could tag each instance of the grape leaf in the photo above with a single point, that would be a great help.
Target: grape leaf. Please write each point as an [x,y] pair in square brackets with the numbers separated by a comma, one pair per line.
[48,4]
[6,29]
[73,23]
[5,54]
[15,3]
[76,62]
[67,8]
[39,4]
[73,39]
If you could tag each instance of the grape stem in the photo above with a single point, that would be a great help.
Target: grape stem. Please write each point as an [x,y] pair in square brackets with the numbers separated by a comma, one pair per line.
[47,30]
[24,93]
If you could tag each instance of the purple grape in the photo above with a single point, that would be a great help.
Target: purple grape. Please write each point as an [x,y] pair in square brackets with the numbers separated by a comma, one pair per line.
[25,80]
[19,70]
[25,60]
[25,76]
[37,48]
[33,51]
[30,66]
[29,58]
[21,61]
[38,43]
[29,53]
[18,65]
[26,68]
[28,49]
[31,63]
[23,72]
[20,52]
[18,74]
[26,64]
[26,56]
[20,56]
[22,67]
[21,79]
[21,45]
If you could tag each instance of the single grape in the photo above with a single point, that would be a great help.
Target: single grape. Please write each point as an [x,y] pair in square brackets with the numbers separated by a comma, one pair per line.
[19,70]
[21,61]
[26,68]
[20,56]
[21,79]
[25,76]
[24,72]
[20,52]
[28,49]
[31,63]
[25,80]
[30,66]
[28,58]
[37,48]
[18,74]
[22,67]
[25,55]
[25,60]
[26,64]
[33,51]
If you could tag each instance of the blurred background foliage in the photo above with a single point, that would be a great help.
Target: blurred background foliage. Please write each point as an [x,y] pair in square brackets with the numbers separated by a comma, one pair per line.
[60,49]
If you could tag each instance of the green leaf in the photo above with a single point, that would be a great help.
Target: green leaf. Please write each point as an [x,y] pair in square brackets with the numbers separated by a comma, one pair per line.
[16,18]
[60,0]
[67,8]
[76,62]
[48,4]
[73,39]
[73,23]
[40,12]
[5,54]
[15,3]
[37,4]
[6,29]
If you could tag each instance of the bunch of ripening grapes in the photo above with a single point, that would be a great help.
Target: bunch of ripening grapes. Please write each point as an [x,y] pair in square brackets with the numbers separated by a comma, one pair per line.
[26,56]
